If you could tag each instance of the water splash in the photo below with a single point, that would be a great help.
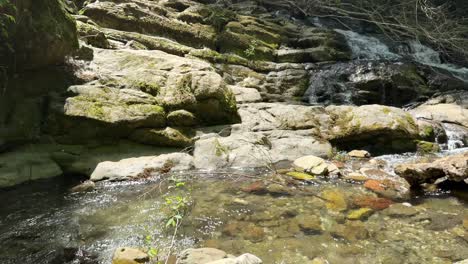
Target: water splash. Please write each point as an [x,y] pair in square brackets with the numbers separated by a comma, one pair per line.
[456,136]
[425,55]
[367,47]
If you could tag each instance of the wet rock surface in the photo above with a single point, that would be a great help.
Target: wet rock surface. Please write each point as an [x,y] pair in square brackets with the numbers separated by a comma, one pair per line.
[452,168]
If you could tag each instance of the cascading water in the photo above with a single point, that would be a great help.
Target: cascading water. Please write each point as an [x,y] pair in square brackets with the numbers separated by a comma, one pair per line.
[456,136]
[367,47]
[426,55]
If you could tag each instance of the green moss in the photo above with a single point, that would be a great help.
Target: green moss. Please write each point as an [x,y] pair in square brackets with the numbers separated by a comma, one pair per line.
[427,147]
[386,110]
[147,87]
[220,149]
[427,132]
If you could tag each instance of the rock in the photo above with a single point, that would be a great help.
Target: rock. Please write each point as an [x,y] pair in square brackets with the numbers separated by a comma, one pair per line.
[168,137]
[27,164]
[462,262]
[200,255]
[400,210]
[364,82]
[359,154]
[135,88]
[376,127]
[374,203]
[141,167]
[39,26]
[86,186]
[335,200]
[242,259]
[389,189]
[258,187]
[92,34]
[255,149]
[181,118]
[359,214]
[454,168]
[129,17]
[277,189]
[83,159]
[280,116]
[446,113]
[312,164]
[246,95]
[351,231]
[319,260]
[356,177]
[126,255]
[300,176]
[309,224]
[425,147]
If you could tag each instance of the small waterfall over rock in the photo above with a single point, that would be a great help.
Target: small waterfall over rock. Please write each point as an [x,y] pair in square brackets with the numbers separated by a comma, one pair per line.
[457,137]
[425,55]
[367,47]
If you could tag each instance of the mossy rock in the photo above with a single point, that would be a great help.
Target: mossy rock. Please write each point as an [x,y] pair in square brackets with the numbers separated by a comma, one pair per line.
[427,147]
[300,176]
[181,118]
[92,35]
[43,26]
[168,137]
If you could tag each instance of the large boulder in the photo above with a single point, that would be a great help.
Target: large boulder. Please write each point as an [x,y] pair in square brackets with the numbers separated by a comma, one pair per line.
[38,26]
[376,127]
[135,89]
[257,149]
[214,256]
[444,112]
[453,168]
[28,163]
[141,167]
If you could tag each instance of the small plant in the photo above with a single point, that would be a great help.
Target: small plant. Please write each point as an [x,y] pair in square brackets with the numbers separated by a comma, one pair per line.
[251,51]
[220,149]
[177,205]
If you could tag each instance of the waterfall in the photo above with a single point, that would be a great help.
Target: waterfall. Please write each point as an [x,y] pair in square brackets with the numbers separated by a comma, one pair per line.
[367,47]
[425,55]
[456,136]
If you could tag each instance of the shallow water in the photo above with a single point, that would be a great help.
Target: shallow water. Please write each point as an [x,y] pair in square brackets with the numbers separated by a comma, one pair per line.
[44,223]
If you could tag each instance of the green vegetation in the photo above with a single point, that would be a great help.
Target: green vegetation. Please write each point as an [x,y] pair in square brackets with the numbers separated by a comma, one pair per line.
[177,201]
[251,51]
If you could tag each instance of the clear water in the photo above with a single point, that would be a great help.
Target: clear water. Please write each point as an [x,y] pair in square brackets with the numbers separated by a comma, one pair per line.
[38,221]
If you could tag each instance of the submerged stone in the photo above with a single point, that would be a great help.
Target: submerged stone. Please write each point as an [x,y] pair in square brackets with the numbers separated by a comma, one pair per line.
[335,199]
[300,175]
[359,214]
[126,255]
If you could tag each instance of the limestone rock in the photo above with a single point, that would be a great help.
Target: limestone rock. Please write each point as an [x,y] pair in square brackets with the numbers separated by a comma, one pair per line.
[359,154]
[242,259]
[181,118]
[126,255]
[255,149]
[86,186]
[246,95]
[168,137]
[359,214]
[454,168]
[449,113]
[141,167]
[378,127]
[26,164]
[200,255]
[41,26]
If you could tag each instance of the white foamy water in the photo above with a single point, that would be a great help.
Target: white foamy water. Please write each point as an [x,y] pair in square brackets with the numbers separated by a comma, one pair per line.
[367,47]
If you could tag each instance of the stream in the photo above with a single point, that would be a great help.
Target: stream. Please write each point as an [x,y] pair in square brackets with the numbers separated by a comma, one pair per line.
[43,222]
